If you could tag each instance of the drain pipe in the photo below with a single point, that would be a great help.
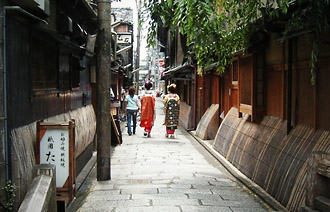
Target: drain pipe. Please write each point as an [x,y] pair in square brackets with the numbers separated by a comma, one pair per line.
[7,145]
[289,89]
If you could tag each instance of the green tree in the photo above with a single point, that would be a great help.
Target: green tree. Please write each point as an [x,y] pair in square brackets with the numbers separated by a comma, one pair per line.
[216,29]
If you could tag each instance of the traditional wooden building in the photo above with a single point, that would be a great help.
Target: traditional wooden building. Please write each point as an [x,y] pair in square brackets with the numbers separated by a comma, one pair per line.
[274,124]
[121,72]
[49,64]
[276,121]
[122,64]
[197,92]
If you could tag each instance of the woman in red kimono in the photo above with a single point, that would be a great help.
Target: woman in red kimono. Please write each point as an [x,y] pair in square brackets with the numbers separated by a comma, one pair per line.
[147,109]
[172,109]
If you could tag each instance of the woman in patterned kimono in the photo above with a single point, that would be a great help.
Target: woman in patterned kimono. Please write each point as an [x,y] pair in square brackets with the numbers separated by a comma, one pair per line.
[172,108]
[147,109]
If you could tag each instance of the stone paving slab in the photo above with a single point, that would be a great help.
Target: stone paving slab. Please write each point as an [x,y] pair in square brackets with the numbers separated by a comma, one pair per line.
[106,197]
[205,209]
[177,202]
[100,203]
[184,191]
[161,174]
[247,203]
[160,196]
[149,209]
[245,209]
[140,191]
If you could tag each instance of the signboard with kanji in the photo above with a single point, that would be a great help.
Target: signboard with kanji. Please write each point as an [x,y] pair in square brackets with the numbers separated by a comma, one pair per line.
[55,145]
[124,39]
[54,149]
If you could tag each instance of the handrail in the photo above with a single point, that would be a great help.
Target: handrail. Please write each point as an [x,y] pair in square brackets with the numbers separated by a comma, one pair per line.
[41,195]
[38,196]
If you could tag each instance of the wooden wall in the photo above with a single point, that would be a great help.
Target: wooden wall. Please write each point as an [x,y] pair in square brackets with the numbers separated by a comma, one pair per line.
[23,141]
[264,153]
[215,90]
[179,51]
[208,92]
[323,96]
[38,103]
[229,91]
[43,83]
[245,80]
[199,99]
[305,112]
[274,81]
[313,101]
[310,103]
[225,93]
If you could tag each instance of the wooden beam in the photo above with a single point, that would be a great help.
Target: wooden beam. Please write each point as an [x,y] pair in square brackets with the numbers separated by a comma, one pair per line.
[323,168]
[244,108]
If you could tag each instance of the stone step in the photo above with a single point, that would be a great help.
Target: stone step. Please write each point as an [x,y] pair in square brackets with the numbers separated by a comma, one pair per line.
[322,203]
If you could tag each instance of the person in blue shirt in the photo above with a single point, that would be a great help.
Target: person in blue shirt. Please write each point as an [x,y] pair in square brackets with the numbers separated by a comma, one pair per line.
[132,107]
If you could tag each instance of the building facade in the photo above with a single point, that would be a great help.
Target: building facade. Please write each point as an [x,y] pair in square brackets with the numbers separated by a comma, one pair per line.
[271,120]
[48,67]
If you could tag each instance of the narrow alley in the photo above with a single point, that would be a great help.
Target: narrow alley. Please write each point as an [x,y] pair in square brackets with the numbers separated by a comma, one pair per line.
[163,174]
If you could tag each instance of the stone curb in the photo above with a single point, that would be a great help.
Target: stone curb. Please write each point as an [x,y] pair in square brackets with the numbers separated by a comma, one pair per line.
[240,176]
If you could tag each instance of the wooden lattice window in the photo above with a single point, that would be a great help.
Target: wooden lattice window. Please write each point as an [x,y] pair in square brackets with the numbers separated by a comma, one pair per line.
[44,62]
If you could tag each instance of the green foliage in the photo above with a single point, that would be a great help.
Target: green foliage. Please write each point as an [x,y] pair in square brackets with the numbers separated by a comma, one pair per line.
[216,29]
[10,190]
[310,15]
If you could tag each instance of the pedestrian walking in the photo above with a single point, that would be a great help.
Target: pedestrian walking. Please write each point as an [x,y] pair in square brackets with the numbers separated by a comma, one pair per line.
[147,109]
[132,107]
[172,108]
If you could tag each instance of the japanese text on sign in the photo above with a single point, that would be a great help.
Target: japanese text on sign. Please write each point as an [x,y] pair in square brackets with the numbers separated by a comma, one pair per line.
[124,39]
[54,149]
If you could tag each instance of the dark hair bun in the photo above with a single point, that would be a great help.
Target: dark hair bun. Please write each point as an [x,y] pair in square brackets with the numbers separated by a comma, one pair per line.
[148,84]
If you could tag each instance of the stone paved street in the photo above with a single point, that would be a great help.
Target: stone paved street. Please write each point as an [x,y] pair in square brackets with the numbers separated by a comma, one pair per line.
[162,174]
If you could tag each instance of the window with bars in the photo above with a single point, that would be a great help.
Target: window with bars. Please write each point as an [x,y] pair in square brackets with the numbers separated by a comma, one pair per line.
[44,62]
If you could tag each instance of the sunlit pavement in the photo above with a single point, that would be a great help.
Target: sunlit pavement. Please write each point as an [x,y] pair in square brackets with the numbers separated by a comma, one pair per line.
[163,174]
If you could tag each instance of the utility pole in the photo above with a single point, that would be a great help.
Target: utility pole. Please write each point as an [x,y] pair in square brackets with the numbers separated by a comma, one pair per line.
[103,128]
[4,155]
[138,40]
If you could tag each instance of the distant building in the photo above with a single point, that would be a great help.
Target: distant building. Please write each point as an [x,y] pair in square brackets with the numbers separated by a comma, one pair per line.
[123,14]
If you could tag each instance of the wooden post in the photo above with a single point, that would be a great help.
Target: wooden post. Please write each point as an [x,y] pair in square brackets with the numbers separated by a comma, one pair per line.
[103,91]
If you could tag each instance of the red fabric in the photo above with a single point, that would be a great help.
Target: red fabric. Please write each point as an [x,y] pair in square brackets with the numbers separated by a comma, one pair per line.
[147,111]
[147,129]
[170,131]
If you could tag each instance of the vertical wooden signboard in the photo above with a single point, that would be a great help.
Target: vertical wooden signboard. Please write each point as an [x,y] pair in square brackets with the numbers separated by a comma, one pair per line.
[56,145]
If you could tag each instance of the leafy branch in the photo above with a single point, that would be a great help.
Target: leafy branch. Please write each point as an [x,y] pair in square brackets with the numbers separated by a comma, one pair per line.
[216,29]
